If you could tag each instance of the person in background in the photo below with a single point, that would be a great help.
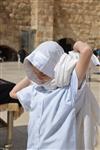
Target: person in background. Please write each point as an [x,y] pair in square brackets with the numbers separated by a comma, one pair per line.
[22,53]
[97,53]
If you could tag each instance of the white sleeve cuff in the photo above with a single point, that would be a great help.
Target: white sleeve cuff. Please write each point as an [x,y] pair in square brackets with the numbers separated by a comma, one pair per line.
[24,97]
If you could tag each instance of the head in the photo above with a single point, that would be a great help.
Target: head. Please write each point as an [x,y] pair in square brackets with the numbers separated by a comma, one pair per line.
[40,64]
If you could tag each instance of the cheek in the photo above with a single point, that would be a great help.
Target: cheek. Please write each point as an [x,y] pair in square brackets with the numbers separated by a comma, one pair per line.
[38,79]
[44,78]
[41,77]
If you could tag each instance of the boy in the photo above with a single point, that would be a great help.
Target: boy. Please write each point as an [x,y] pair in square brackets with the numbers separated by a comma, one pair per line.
[56,95]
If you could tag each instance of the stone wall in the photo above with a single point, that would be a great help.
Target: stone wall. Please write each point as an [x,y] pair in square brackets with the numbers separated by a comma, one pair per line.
[44,21]
[15,15]
[49,20]
[78,19]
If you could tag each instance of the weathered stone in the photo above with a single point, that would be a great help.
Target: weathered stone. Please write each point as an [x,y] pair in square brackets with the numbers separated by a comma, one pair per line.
[51,19]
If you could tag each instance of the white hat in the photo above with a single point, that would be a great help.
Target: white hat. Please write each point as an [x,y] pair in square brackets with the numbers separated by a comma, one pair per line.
[44,58]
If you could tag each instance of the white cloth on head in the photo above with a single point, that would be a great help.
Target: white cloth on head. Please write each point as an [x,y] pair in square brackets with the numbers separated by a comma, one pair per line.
[64,69]
[49,58]
[44,58]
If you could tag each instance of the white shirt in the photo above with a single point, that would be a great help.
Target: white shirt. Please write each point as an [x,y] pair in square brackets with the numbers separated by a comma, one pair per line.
[54,123]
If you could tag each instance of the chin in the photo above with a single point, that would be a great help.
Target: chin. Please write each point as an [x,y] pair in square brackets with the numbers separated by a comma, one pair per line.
[40,82]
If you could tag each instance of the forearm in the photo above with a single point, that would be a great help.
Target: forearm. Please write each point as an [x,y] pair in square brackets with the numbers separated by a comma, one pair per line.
[22,84]
[84,60]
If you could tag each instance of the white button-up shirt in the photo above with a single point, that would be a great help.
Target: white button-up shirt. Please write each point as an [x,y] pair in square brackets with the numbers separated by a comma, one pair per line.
[53,116]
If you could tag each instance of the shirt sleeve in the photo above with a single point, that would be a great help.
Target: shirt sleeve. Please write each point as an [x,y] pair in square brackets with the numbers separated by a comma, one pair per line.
[25,96]
[74,86]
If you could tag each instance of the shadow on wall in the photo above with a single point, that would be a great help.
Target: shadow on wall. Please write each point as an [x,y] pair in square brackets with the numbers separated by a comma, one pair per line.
[7,54]
[66,44]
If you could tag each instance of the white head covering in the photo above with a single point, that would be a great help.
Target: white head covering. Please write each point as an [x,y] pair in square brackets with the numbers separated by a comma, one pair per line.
[44,58]
[49,58]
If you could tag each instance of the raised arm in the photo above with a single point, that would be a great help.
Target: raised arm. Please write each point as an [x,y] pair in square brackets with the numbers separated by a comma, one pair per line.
[22,84]
[85,56]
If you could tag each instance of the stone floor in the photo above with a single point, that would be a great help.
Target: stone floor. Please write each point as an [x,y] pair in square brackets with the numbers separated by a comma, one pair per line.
[19,138]
[13,71]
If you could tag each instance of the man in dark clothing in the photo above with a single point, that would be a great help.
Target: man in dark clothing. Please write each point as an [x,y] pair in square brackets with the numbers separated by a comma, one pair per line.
[22,54]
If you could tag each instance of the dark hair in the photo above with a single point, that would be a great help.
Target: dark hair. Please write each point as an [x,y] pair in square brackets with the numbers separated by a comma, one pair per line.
[66,44]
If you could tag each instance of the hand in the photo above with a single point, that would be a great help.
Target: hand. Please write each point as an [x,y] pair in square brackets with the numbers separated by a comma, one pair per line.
[84,59]
[80,46]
